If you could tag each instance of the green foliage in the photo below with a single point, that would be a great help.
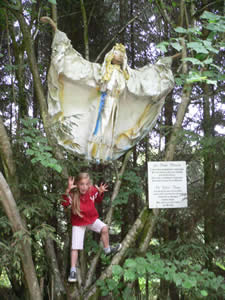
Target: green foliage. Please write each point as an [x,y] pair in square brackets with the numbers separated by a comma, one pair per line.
[201,52]
[52,1]
[131,186]
[4,280]
[190,278]
[37,145]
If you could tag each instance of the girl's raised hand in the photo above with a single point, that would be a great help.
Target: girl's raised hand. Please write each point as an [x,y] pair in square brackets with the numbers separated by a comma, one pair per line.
[102,188]
[71,184]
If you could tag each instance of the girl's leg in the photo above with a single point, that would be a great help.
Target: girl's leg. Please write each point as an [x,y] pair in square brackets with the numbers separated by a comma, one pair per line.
[105,239]
[74,257]
[77,243]
[105,236]
[102,228]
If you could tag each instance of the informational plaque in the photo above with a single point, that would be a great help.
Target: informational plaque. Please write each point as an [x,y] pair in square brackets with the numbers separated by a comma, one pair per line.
[167,184]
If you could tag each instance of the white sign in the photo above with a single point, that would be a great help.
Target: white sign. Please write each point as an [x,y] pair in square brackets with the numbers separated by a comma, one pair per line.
[167,184]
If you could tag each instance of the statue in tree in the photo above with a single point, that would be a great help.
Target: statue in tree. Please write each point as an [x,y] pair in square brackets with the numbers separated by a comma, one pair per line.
[101,111]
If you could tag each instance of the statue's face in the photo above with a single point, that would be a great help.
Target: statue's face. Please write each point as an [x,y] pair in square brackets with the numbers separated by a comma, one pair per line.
[118,57]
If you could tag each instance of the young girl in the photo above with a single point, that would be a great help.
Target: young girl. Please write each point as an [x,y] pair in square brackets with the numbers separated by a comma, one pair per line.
[84,215]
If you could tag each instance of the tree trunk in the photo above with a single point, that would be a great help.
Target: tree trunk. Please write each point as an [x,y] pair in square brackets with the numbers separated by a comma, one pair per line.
[23,241]
[209,175]
[59,292]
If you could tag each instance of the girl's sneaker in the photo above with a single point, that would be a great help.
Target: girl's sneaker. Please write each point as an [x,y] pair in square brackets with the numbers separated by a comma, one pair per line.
[72,277]
[114,249]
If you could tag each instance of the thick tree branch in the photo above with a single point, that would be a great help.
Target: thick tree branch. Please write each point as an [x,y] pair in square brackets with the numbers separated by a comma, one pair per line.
[117,185]
[7,158]
[185,99]
[127,243]
[59,289]
[147,231]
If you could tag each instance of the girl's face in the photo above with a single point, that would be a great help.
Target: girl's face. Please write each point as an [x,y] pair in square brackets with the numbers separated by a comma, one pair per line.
[83,185]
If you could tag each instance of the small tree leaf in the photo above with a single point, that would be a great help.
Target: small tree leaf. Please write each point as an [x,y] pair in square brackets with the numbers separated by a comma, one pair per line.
[176,46]
[180,30]
[209,16]
[204,293]
[52,1]
[198,47]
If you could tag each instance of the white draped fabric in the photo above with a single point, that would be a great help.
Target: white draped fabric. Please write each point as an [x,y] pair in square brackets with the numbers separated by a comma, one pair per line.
[99,119]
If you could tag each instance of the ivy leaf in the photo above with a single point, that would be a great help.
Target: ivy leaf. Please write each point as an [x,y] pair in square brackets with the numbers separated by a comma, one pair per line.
[193,60]
[30,152]
[216,27]
[204,293]
[209,81]
[179,81]
[208,61]
[195,77]
[52,1]
[215,66]
[189,284]
[58,168]
[130,263]
[209,16]
[111,284]
[208,45]
[194,30]
[162,46]
[176,46]
[180,30]
[198,47]
[117,270]
[129,275]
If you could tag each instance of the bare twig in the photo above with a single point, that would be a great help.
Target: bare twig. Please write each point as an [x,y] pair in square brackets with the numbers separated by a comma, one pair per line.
[48,20]
[37,28]
[91,13]
[67,15]
[164,12]
[85,34]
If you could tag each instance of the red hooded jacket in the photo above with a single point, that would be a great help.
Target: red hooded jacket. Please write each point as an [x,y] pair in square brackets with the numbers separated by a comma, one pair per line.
[87,207]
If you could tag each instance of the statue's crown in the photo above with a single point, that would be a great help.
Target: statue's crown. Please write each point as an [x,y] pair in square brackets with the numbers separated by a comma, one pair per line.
[120,47]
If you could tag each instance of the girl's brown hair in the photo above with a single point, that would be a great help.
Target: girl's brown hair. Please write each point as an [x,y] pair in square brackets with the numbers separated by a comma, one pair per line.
[76,194]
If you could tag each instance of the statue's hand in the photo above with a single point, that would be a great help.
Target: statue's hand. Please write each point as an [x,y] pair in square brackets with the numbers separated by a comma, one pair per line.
[50,21]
